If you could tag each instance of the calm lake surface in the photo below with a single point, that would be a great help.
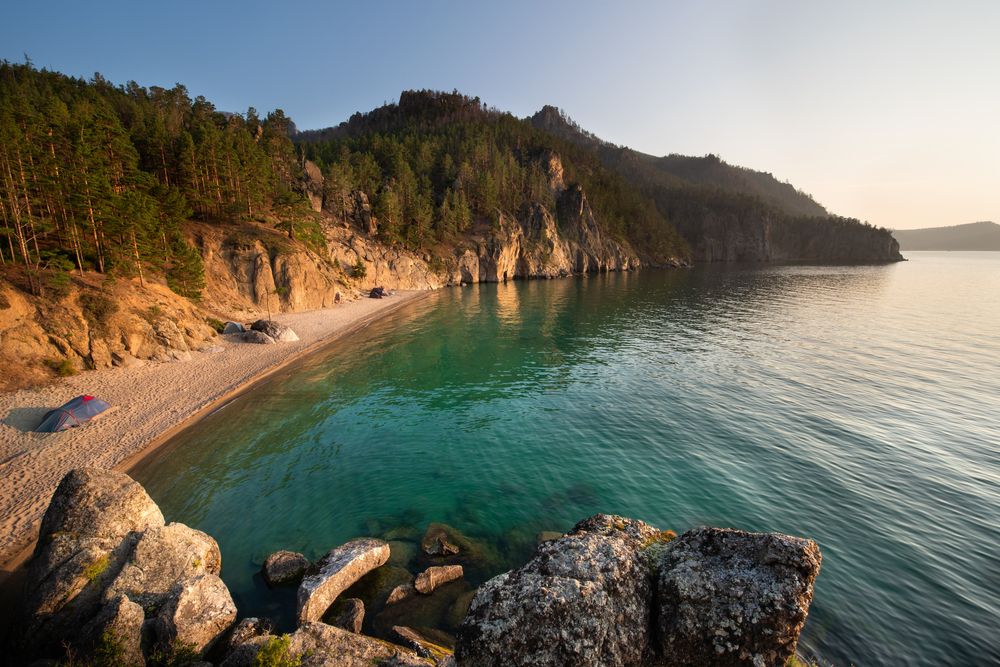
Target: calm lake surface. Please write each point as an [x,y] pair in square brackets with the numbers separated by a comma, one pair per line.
[858,406]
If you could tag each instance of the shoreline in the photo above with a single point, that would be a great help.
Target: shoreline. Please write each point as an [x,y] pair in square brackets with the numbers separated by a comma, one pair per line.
[177,394]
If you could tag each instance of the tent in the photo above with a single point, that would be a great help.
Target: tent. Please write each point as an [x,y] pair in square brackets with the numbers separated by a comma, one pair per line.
[78,411]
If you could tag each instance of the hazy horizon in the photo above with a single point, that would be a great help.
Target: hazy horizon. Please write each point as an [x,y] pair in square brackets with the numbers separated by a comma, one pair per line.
[882,113]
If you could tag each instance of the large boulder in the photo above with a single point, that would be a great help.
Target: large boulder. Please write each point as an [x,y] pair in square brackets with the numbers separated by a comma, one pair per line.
[584,599]
[163,556]
[335,572]
[433,577]
[233,328]
[117,629]
[323,645]
[199,610]
[257,337]
[278,332]
[284,567]
[87,533]
[728,597]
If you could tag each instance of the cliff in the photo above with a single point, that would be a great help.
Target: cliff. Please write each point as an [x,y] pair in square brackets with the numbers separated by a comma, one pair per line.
[111,580]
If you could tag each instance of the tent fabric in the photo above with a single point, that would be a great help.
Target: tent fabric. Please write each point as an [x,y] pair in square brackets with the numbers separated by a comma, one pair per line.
[77,411]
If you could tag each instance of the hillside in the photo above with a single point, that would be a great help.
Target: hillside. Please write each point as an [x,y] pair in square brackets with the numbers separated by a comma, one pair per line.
[730,213]
[971,236]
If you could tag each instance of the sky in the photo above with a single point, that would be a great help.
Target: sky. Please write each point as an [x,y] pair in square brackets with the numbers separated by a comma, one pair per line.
[885,111]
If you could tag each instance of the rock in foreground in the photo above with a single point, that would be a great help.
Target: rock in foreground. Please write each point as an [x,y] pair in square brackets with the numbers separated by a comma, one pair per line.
[616,591]
[734,597]
[335,572]
[585,599]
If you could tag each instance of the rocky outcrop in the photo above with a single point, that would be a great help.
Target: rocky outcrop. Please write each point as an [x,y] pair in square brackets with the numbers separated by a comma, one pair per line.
[432,577]
[283,567]
[105,562]
[734,598]
[335,572]
[585,599]
[618,591]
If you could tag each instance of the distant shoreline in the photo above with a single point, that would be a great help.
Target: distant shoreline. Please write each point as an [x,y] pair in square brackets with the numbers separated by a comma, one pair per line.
[155,401]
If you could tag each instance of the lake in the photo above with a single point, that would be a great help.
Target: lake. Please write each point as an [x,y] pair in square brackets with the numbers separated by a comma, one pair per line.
[858,406]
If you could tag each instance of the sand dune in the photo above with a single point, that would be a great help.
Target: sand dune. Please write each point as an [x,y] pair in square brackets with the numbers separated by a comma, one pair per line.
[151,401]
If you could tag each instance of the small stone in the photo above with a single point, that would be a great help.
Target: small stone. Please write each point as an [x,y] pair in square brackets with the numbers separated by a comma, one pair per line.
[284,567]
[400,593]
[433,577]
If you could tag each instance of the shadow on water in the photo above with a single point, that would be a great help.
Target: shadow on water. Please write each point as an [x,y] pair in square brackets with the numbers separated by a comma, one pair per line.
[784,398]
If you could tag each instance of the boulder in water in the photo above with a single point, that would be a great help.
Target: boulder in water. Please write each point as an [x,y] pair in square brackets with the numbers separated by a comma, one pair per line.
[335,572]
[284,567]
[433,577]
[729,597]
[347,614]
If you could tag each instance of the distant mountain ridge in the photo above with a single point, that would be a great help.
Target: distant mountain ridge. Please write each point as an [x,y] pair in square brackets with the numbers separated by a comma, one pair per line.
[728,213]
[983,235]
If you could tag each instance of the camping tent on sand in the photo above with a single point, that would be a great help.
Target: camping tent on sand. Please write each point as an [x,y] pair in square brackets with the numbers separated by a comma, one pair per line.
[78,411]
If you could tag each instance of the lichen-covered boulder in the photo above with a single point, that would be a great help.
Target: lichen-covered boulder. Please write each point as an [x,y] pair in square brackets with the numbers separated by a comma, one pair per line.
[93,520]
[199,610]
[433,577]
[321,645]
[335,572]
[729,597]
[284,567]
[163,556]
[584,599]
[117,628]
[90,502]
[278,332]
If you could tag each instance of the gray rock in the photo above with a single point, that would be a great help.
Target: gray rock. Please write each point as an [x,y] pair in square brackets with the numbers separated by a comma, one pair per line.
[278,332]
[347,614]
[233,327]
[323,645]
[163,556]
[584,599]
[199,610]
[257,337]
[90,502]
[284,567]
[119,624]
[433,577]
[728,597]
[335,572]
[401,553]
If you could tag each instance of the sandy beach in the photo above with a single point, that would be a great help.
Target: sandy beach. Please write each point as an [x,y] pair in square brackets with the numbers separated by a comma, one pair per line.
[151,401]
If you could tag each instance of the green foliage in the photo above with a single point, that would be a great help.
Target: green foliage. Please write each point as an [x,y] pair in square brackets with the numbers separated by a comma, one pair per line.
[217,325]
[359,270]
[185,270]
[62,367]
[177,654]
[97,309]
[95,569]
[275,652]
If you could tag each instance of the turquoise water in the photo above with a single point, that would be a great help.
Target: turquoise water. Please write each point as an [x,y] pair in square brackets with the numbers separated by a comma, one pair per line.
[859,406]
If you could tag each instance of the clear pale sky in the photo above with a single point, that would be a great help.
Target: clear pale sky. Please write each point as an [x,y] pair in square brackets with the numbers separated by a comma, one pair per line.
[885,111]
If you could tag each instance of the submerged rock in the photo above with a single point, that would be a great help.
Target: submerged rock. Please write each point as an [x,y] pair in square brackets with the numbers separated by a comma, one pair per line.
[284,567]
[347,614]
[584,599]
[437,542]
[335,572]
[728,597]
[433,577]
[400,593]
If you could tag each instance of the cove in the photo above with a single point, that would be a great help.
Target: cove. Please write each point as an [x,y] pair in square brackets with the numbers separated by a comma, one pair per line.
[852,405]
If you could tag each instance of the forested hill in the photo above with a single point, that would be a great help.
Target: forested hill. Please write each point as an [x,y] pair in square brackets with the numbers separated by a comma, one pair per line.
[729,213]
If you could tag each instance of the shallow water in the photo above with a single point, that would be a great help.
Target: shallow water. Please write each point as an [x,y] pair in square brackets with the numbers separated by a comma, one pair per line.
[859,406]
